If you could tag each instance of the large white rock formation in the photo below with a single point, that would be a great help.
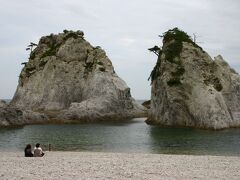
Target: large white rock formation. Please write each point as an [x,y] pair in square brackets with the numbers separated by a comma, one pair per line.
[192,89]
[69,79]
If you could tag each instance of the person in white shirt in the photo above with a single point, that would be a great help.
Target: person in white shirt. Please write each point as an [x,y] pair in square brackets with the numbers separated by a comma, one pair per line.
[37,151]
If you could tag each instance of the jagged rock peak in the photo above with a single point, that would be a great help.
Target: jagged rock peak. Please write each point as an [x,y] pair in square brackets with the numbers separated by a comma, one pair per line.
[65,72]
[68,47]
[189,88]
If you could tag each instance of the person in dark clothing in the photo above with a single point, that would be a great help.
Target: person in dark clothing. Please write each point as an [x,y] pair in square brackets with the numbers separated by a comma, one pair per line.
[28,151]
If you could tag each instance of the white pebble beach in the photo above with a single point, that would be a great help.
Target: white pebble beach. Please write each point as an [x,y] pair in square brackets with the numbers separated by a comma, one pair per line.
[94,165]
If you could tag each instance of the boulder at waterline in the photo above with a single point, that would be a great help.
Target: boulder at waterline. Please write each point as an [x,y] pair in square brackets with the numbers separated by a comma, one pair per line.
[10,116]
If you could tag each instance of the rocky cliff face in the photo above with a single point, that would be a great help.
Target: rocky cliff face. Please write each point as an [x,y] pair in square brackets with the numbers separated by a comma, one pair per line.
[65,74]
[191,89]
[10,116]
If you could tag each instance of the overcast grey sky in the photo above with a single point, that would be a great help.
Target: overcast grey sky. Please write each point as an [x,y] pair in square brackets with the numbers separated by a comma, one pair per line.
[124,29]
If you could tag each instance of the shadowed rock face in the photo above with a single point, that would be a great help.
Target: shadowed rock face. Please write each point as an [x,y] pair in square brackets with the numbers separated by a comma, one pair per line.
[67,75]
[194,90]
[147,104]
[10,116]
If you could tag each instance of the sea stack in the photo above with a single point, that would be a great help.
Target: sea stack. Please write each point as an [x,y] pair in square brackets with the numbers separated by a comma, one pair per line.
[70,80]
[191,89]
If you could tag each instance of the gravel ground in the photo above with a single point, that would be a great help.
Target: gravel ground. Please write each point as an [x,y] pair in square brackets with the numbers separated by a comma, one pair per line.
[88,165]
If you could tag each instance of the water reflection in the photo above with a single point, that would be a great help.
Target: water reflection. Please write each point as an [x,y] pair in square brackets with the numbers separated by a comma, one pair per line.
[134,136]
[195,141]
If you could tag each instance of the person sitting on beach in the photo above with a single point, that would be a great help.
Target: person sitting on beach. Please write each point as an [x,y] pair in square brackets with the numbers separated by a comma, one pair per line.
[28,151]
[38,152]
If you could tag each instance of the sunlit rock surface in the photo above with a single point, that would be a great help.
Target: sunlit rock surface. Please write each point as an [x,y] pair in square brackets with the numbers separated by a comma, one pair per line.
[194,90]
[69,79]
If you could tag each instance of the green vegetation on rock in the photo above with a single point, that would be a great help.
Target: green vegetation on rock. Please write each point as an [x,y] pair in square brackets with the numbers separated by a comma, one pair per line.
[156,70]
[100,63]
[71,35]
[42,63]
[102,69]
[65,31]
[29,70]
[173,43]
[30,48]
[156,50]
[176,76]
[174,39]
[214,81]
[53,48]
[174,81]
[32,55]
[53,45]
[179,72]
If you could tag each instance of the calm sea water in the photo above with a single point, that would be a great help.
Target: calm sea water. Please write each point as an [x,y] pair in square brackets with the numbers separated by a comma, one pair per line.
[134,136]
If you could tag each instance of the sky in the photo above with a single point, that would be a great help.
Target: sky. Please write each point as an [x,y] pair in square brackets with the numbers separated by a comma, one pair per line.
[124,29]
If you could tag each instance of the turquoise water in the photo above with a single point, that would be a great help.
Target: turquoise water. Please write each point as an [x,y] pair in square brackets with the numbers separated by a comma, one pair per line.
[134,136]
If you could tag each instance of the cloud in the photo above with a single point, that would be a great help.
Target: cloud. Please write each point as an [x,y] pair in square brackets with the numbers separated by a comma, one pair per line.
[127,41]
[125,29]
